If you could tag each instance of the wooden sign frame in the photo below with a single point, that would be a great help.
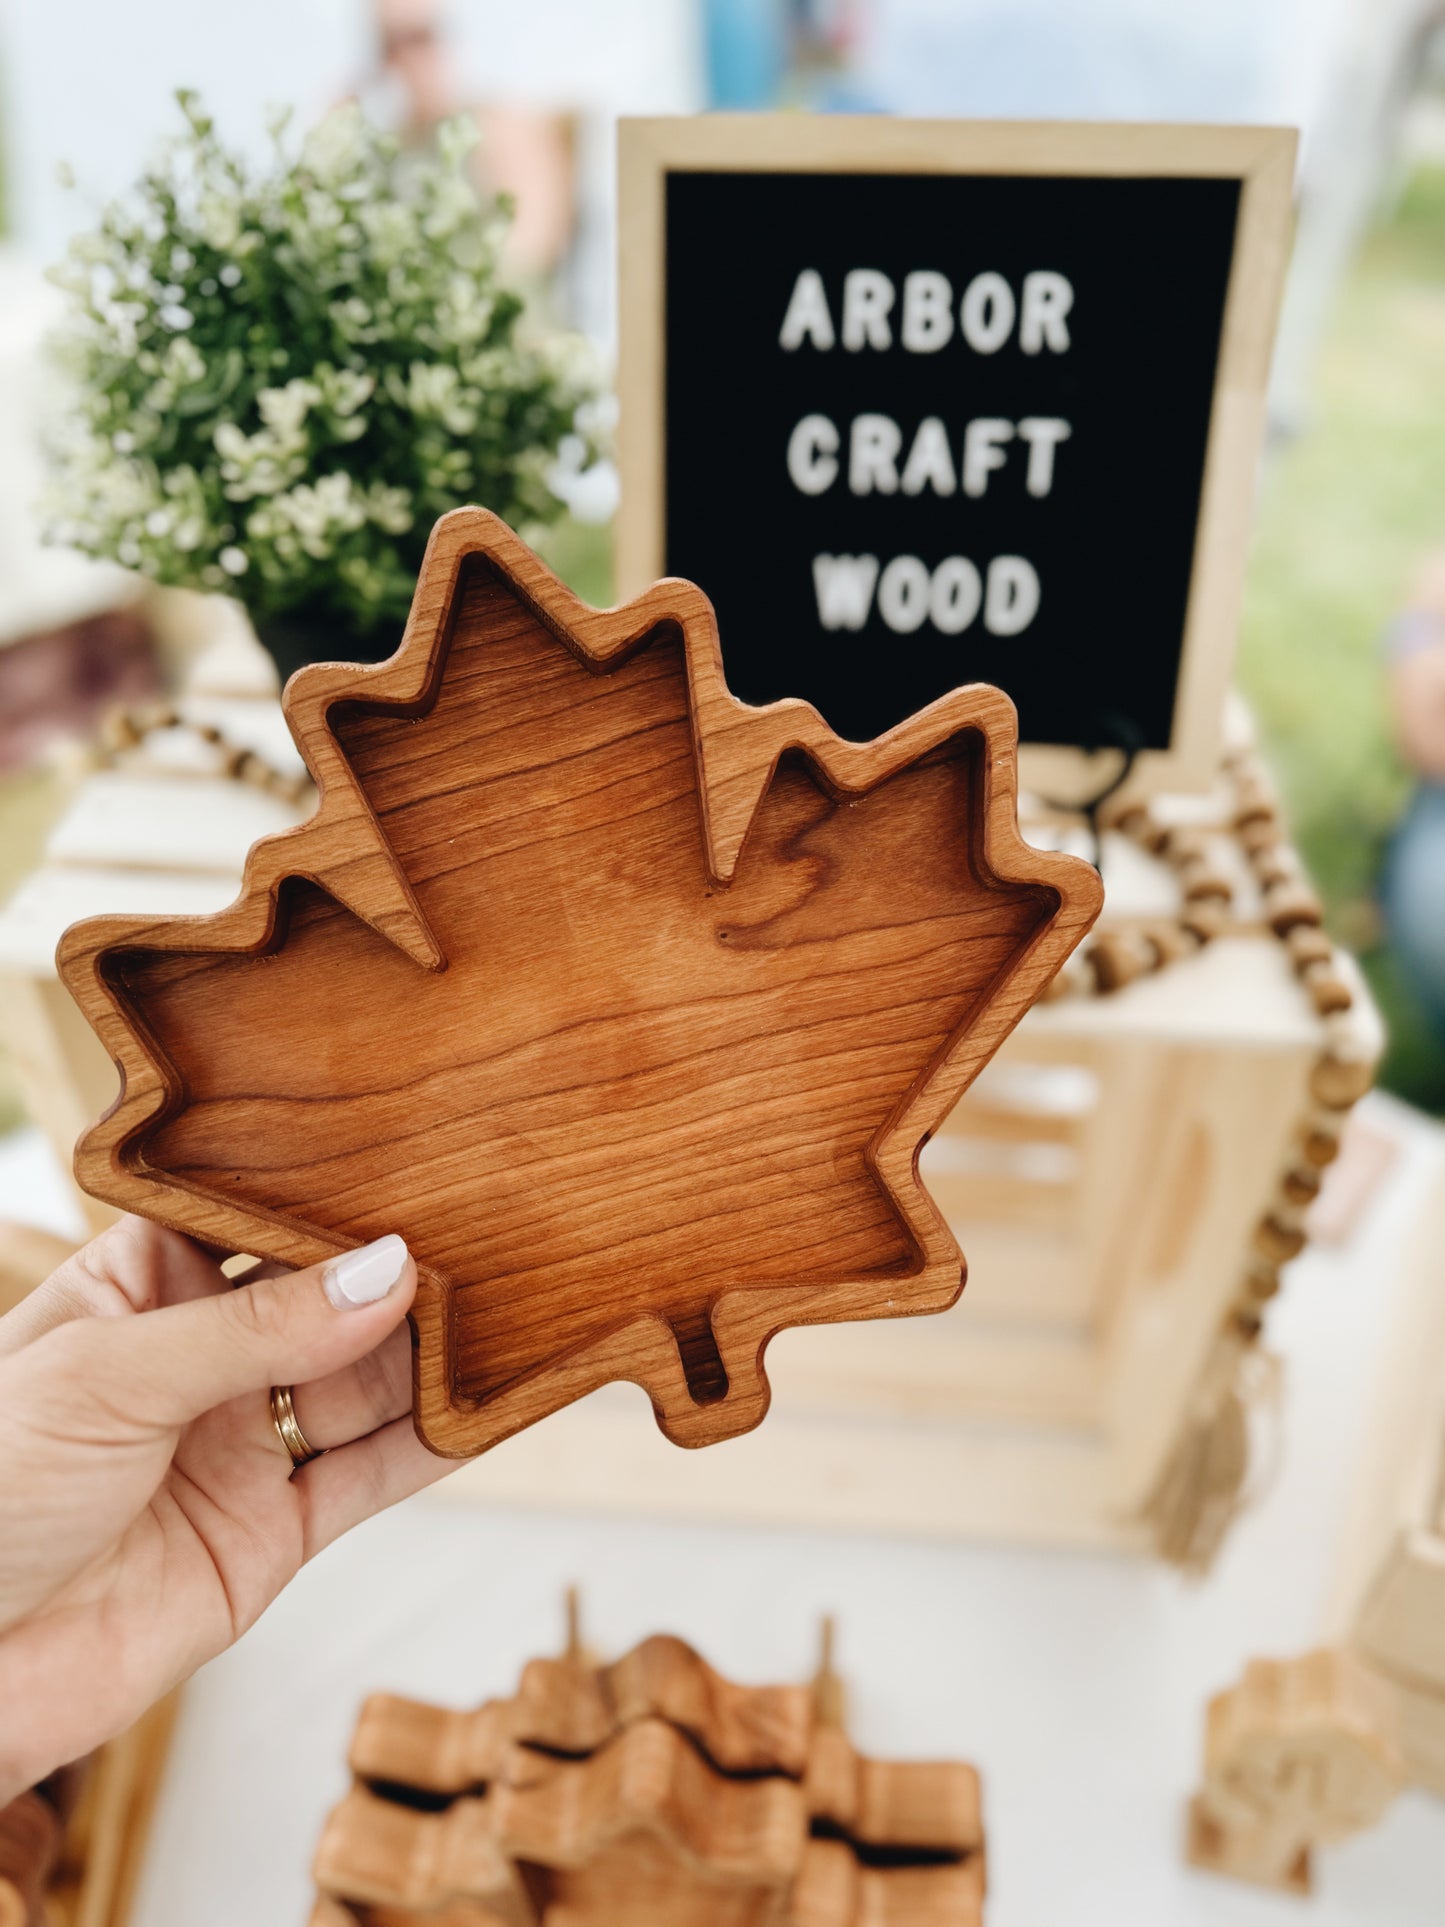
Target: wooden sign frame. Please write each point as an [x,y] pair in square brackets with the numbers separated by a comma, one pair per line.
[577,958]
[1260,158]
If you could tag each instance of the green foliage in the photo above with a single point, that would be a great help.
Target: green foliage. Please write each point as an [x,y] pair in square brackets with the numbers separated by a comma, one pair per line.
[284,377]
[1350,509]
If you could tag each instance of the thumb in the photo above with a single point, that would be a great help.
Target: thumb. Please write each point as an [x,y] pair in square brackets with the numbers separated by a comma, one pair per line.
[167,1367]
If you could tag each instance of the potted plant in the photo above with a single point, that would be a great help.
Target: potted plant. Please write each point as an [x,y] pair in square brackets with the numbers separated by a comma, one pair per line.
[284,376]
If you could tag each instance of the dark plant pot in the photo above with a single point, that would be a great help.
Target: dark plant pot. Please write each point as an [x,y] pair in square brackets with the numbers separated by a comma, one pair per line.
[298,636]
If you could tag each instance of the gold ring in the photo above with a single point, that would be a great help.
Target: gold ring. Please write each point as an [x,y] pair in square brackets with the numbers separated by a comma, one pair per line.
[283,1417]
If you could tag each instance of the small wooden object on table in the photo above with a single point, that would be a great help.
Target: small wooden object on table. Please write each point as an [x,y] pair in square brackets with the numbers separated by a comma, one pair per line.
[652,1791]
[1304,1751]
[627,1005]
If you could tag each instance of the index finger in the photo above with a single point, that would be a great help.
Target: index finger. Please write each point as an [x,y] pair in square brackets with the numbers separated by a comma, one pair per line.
[133,1266]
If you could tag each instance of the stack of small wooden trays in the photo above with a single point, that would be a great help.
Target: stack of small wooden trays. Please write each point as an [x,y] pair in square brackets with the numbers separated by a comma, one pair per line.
[650,1791]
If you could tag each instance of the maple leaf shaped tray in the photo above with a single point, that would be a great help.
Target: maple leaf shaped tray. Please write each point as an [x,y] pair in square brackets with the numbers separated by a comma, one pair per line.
[628,1005]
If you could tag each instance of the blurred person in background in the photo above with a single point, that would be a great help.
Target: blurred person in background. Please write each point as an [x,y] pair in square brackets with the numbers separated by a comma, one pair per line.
[1413,885]
[524,152]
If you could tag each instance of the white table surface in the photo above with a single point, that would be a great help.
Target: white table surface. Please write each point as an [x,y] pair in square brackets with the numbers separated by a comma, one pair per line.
[1076,1683]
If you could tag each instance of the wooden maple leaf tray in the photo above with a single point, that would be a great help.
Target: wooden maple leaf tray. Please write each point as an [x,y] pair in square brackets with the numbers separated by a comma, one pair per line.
[628,1005]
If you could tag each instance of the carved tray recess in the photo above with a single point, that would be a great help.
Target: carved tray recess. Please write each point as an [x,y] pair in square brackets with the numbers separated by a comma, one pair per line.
[627,1005]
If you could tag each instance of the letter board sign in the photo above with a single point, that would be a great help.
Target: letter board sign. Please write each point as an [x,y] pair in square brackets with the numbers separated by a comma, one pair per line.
[921,404]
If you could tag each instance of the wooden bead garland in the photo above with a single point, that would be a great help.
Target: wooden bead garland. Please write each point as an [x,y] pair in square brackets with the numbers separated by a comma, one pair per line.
[1190,1528]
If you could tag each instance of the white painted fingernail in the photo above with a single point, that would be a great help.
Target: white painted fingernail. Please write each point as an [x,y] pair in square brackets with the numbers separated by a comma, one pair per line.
[361,1277]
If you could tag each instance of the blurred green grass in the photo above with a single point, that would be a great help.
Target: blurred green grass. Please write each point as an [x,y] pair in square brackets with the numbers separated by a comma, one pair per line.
[1347,511]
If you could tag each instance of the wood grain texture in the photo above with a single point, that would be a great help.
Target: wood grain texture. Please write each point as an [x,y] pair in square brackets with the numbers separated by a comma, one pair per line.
[565,1706]
[835,1889]
[627,1005]
[928,1806]
[647,1831]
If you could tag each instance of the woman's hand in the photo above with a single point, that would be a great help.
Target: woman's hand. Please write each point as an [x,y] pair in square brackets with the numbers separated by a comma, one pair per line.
[148,1509]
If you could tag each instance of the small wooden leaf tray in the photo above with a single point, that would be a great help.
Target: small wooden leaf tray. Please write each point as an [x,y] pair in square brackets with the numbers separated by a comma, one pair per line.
[627,1005]
[605,1794]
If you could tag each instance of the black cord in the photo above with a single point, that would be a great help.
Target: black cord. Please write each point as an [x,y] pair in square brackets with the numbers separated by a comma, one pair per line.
[1111,731]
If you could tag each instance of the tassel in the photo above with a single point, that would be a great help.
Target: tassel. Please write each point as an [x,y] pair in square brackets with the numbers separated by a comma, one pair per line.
[1202,1489]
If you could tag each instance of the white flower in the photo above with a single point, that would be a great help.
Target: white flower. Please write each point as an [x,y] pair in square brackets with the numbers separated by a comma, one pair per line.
[389,229]
[285,409]
[455,139]
[182,363]
[230,275]
[343,390]
[233,560]
[434,390]
[315,513]
[219,219]
[336,147]
[260,464]
[390,508]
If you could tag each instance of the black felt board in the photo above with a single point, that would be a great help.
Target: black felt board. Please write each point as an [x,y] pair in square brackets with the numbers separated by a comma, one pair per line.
[1112,542]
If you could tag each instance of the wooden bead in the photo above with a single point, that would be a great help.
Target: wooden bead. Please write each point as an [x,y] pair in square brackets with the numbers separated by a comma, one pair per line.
[1132,820]
[1289,904]
[1320,1148]
[1255,802]
[1308,944]
[1301,1185]
[1201,884]
[1339,1082]
[1276,865]
[1327,988]
[1205,921]
[1251,778]
[1186,845]
[1169,943]
[1259,835]
[1277,1241]
[119,730]
[1135,821]
[1262,1283]
[1115,961]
